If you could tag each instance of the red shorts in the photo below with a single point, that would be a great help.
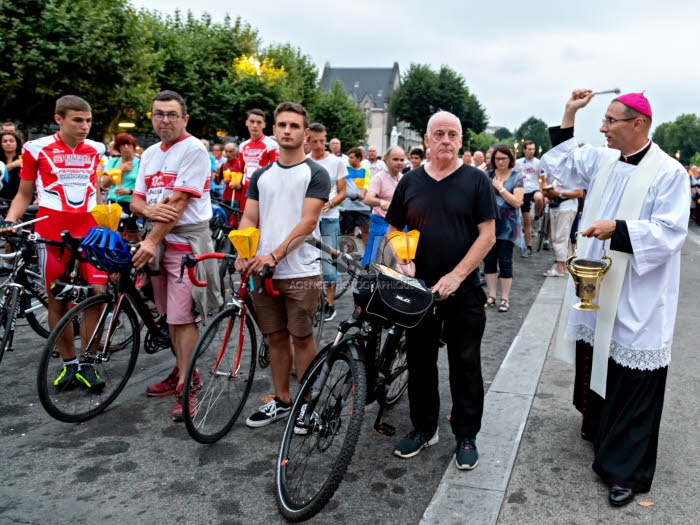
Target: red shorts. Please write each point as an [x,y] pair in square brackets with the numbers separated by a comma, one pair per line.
[78,225]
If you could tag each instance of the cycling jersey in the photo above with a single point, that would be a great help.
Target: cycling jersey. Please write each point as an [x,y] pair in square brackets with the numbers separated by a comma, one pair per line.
[65,178]
[258,154]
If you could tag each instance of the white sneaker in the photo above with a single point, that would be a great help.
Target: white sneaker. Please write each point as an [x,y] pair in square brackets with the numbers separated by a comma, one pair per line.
[301,430]
[268,413]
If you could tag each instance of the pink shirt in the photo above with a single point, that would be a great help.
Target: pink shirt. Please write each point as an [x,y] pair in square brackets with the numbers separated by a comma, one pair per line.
[384,186]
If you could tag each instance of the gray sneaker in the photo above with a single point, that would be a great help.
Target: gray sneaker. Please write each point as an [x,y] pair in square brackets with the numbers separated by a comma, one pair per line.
[414,442]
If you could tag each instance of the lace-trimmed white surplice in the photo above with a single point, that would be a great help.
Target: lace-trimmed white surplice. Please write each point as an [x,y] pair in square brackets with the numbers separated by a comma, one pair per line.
[643,329]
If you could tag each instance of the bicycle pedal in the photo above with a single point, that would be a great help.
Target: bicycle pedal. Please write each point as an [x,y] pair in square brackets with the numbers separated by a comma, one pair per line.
[386,429]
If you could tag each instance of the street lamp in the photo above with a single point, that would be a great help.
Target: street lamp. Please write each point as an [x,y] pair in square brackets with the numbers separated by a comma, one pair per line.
[678,155]
[540,151]
[126,125]
[515,147]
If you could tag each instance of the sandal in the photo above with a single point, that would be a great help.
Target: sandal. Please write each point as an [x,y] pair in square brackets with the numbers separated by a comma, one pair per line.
[505,305]
[490,302]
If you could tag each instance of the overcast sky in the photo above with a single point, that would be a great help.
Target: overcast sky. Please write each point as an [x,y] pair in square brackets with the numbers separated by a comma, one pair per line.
[518,61]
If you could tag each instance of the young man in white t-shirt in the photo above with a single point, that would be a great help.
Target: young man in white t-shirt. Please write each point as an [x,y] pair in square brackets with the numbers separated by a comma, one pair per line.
[172,190]
[286,199]
[330,216]
[528,167]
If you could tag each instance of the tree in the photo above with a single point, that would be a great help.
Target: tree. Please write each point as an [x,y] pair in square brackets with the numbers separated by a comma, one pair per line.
[682,136]
[535,130]
[341,116]
[197,58]
[481,141]
[96,49]
[423,92]
[503,134]
[302,85]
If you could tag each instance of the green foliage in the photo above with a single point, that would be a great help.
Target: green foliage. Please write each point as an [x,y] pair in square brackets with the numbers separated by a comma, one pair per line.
[481,141]
[96,49]
[503,134]
[302,84]
[682,135]
[423,92]
[694,160]
[341,116]
[535,130]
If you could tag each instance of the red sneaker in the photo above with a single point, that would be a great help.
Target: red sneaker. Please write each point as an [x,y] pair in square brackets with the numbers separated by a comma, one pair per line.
[177,407]
[166,387]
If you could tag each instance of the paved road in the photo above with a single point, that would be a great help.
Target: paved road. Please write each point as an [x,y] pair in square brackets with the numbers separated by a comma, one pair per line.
[133,465]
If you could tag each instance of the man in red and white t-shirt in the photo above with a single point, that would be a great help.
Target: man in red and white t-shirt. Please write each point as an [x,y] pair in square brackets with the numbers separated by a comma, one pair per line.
[63,168]
[258,151]
[172,192]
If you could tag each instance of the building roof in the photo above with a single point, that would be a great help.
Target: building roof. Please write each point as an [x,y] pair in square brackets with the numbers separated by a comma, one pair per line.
[376,84]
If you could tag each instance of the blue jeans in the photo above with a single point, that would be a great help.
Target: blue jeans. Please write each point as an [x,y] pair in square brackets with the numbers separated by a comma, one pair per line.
[377,231]
[330,231]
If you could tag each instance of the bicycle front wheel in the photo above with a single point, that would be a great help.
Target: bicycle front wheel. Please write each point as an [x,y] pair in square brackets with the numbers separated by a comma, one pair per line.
[313,458]
[220,374]
[396,376]
[108,344]
[35,305]
[8,306]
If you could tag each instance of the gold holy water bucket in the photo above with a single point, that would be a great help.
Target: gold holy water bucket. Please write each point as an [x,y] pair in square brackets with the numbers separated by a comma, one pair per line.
[588,274]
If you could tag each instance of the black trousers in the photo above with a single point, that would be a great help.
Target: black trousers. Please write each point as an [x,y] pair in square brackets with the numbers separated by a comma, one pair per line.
[624,426]
[464,321]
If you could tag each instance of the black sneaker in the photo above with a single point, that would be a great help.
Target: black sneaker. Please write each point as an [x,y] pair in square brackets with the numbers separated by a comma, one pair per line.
[88,377]
[466,456]
[328,312]
[268,413]
[66,377]
[414,442]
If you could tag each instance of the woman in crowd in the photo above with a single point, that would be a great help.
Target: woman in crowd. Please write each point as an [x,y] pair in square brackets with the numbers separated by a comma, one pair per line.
[508,187]
[121,193]
[11,147]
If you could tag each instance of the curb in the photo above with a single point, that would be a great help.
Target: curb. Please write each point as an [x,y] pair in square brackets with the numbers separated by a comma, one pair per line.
[479,494]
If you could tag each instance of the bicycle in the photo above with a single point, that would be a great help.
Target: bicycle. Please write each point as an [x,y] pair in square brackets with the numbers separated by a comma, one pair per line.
[356,369]
[23,294]
[227,370]
[542,227]
[111,347]
[350,245]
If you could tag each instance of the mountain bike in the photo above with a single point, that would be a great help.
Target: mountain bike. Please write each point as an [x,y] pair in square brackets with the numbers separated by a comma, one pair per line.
[105,331]
[365,363]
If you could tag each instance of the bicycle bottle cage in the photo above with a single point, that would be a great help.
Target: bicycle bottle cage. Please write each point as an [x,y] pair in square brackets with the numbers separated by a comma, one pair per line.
[393,297]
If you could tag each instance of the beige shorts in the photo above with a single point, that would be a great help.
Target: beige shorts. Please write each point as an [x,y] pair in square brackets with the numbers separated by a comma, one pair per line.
[294,309]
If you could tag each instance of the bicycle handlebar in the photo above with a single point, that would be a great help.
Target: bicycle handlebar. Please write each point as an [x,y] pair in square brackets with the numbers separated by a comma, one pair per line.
[191,263]
[348,259]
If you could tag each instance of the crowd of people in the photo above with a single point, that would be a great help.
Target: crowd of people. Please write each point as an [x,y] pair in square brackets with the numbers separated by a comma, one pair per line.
[470,209]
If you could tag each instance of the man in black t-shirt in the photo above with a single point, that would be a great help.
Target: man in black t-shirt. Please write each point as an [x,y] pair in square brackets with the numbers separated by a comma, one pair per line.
[453,207]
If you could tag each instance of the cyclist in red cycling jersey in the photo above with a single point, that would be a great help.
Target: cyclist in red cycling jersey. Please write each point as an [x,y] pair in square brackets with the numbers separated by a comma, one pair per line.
[63,168]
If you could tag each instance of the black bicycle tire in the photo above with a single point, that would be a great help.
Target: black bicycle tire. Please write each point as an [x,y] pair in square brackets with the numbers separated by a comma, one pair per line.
[541,231]
[319,321]
[306,511]
[382,397]
[7,318]
[344,285]
[31,318]
[198,352]
[44,363]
